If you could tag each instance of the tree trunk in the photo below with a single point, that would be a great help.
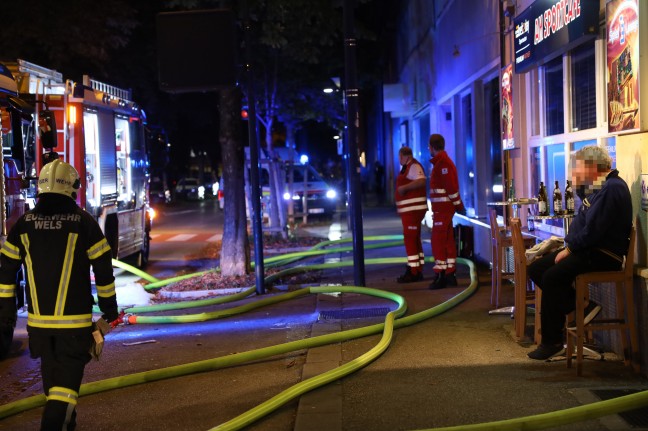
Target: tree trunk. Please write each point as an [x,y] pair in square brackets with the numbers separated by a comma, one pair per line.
[277,208]
[235,249]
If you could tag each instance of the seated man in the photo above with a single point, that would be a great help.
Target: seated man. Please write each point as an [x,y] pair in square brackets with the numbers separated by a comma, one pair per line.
[597,241]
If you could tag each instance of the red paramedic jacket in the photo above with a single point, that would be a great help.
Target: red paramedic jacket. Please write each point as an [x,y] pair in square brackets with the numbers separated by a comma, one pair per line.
[444,185]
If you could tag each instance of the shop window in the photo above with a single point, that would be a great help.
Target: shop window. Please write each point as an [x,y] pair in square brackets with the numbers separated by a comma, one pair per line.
[556,169]
[536,170]
[468,183]
[493,133]
[554,104]
[583,84]
[534,102]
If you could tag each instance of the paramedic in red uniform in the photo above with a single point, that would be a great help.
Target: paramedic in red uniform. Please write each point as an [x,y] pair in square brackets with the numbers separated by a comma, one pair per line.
[411,205]
[58,242]
[444,195]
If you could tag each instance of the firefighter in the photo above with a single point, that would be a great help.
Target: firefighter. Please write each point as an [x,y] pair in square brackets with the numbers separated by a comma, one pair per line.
[58,242]
[445,198]
[411,205]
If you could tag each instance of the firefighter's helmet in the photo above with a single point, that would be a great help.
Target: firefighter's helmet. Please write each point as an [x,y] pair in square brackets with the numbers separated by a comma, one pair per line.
[59,177]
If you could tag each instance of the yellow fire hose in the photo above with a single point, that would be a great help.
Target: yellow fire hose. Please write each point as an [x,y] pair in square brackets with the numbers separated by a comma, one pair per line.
[393,320]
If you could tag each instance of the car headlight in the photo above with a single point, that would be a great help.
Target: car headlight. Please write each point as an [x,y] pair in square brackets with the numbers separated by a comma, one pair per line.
[331,194]
[286,197]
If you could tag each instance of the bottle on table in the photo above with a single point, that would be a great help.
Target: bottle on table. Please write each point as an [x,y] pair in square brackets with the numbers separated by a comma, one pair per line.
[557,200]
[530,222]
[569,198]
[543,203]
[511,191]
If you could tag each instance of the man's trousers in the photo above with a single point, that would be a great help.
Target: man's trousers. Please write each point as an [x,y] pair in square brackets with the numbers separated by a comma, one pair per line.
[63,360]
[444,248]
[412,237]
[556,281]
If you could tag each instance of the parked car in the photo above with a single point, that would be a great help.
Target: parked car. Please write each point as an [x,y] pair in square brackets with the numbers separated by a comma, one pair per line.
[320,198]
[190,189]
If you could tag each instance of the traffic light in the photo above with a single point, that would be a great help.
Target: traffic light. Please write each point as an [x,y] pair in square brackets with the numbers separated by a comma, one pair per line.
[244,112]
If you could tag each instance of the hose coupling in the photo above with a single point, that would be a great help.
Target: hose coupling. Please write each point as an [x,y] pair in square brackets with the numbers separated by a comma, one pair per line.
[126,318]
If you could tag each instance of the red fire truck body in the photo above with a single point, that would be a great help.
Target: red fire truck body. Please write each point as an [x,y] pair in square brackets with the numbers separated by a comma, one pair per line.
[101,132]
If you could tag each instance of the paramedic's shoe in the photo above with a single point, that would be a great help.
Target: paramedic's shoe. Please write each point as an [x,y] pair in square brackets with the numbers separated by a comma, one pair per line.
[408,277]
[546,351]
[451,279]
[439,282]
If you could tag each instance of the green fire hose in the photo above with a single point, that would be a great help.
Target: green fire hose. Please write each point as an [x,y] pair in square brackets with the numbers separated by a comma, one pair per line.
[393,320]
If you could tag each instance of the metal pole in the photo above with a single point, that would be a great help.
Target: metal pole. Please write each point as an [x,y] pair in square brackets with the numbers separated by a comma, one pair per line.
[352,123]
[255,167]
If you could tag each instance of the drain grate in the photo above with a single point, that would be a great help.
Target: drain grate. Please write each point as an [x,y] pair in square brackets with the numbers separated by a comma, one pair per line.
[354,313]
[637,418]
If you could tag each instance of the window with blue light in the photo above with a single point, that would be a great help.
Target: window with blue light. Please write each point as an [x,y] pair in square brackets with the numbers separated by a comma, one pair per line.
[583,82]
[555,169]
[468,183]
[554,104]
[494,191]
[536,170]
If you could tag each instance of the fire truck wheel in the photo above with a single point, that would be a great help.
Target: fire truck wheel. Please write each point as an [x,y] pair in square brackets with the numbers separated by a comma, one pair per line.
[143,255]
[6,338]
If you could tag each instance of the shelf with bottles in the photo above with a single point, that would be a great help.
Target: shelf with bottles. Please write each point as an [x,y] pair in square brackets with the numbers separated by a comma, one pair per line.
[518,201]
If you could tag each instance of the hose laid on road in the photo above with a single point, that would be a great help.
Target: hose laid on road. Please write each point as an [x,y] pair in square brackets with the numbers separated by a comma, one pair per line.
[536,422]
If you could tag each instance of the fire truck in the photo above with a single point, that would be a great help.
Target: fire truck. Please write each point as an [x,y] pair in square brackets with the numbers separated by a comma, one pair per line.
[101,132]
[17,133]
[95,127]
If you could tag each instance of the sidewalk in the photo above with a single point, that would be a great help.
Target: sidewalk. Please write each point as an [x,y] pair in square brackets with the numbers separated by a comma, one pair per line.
[462,367]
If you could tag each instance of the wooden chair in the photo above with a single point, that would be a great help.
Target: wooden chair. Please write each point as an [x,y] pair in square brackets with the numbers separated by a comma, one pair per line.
[525,293]
[624,321]
[500,241]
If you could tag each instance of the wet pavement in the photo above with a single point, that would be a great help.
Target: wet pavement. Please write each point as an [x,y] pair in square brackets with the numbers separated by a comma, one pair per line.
[460,367]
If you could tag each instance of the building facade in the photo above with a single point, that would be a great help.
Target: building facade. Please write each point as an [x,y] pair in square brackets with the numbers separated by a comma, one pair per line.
[516,87]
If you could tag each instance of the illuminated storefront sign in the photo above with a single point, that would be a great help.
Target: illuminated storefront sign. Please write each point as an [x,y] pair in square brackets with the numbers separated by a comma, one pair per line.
[622,29]
[507,109]
[550,27]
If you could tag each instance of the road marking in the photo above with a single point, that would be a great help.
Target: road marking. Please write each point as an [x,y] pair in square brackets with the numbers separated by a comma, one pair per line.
[182,237]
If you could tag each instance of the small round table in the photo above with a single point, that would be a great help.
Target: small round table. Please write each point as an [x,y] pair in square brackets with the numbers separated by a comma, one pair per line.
[515,204]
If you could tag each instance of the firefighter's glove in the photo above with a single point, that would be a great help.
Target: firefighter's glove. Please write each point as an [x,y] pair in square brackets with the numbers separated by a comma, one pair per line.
[461,210]
[99,329]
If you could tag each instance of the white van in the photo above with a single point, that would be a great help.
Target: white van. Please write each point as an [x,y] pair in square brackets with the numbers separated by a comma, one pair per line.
[307,189]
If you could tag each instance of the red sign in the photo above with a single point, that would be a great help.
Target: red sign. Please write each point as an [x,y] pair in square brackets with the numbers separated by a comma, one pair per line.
[622,28]
[507,109]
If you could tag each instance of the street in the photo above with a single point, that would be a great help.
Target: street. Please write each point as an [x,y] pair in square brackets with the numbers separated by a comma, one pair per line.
[180,230]
[445,371]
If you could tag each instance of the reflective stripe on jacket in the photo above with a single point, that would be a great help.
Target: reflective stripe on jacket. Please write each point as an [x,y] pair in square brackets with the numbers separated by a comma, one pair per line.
[58,251]
[444,185]
[412,200]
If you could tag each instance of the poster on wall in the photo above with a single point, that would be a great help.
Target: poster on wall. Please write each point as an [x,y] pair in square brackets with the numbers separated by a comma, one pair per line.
[507,109]
[622,29]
